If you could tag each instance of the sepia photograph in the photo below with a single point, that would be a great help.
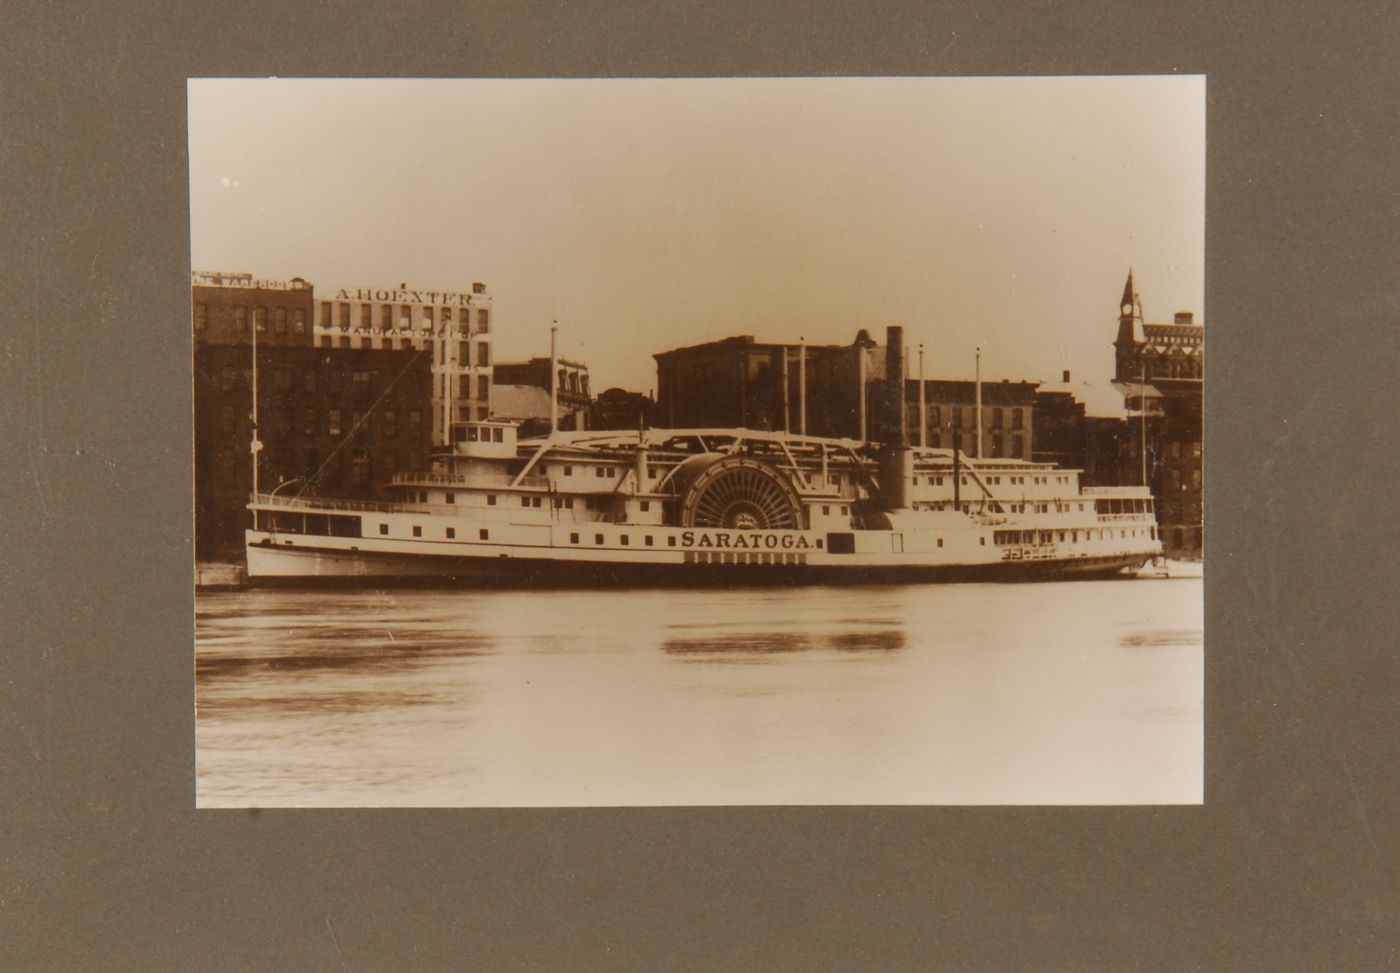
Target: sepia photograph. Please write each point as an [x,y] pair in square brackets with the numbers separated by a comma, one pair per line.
[668,442]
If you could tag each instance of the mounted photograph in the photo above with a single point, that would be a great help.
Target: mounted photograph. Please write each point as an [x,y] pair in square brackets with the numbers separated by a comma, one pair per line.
[693,442]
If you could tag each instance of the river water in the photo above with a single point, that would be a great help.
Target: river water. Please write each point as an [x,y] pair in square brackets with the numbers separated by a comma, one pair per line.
[1081,692]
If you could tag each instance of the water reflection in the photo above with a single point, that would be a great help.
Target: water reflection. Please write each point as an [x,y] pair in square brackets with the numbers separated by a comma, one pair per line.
[1081,692]
[760,644]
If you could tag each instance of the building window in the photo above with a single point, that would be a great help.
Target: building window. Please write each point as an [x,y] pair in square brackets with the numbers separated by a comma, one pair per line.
[996,417]
[483,319]
[308,422]
[1016,418]
[333,422]
[298,320]
[483,387]
[201,317]
[279,320]
[343,313]
[325,314]
[343,342]
[260,319]
[957,415]
[1016,449]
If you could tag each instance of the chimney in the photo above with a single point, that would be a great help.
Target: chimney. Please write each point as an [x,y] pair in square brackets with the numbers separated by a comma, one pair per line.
[1184,317]
[1066,378]
[896,424]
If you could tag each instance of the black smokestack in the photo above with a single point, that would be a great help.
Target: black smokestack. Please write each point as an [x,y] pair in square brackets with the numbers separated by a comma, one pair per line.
[896,419]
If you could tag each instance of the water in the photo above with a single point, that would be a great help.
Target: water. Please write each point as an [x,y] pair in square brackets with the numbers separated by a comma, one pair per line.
[1075,692]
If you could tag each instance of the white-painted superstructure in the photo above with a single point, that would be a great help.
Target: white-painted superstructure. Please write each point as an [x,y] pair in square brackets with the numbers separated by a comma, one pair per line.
[732,505]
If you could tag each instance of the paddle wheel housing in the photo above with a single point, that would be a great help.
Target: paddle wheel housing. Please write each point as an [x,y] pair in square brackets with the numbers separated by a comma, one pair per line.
[736,492]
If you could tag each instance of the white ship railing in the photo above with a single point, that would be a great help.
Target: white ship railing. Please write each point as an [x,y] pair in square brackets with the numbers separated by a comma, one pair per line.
[326,503]
[462,480]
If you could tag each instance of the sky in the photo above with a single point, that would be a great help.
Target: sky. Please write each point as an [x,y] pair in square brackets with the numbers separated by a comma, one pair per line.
[648,214]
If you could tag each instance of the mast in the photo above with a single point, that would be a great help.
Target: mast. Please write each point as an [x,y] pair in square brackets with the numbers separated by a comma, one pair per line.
[860,390]
[256,445]
[1142,404]
[787,423]
[447,370]
[978,412]
[802,385]
[554,378]
[923,405]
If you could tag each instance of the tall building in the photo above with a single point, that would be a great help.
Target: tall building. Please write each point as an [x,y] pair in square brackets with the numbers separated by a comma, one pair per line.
[1172,358]
[227,307]
[334,420]
[741,382]
[454,325]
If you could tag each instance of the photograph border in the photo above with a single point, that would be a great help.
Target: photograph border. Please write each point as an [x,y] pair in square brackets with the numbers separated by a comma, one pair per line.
[1287,866]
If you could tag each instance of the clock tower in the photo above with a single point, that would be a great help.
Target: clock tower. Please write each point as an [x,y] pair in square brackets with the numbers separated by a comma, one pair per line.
[1125,346]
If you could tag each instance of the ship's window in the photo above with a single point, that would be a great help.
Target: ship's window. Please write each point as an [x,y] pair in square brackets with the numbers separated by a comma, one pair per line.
[982,541]
[597,538]
[845,509]
[651,472]
[383,528]
[670,542]
[498,435]
[484,534]
[649,540]
[916,481]
[422,496]
[646,505]
[940,542]
[573,538]
[626,540]
[819,543]
[598,471]
[568,471]
[524,501]
[490,499]
[451,532]
[826,510]
[451,497]
[417,531]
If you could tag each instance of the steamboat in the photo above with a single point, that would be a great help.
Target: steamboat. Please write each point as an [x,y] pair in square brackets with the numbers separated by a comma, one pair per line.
[732,506]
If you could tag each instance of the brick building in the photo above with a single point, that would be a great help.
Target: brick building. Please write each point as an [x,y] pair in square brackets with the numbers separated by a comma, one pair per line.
[618,408]
[740,382]
[337,421]
[518,385]
[1172,358]
[227,307]
[455,326]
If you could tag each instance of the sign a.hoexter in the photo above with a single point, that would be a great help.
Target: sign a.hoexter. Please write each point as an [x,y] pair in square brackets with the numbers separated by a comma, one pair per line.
[403,296]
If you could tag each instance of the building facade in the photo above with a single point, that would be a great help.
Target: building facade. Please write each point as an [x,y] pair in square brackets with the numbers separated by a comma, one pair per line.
[618,408]
[335,421]
[227,307]
[756,385]
[1172,358]
[455,326]
[741,382]
[517,385]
